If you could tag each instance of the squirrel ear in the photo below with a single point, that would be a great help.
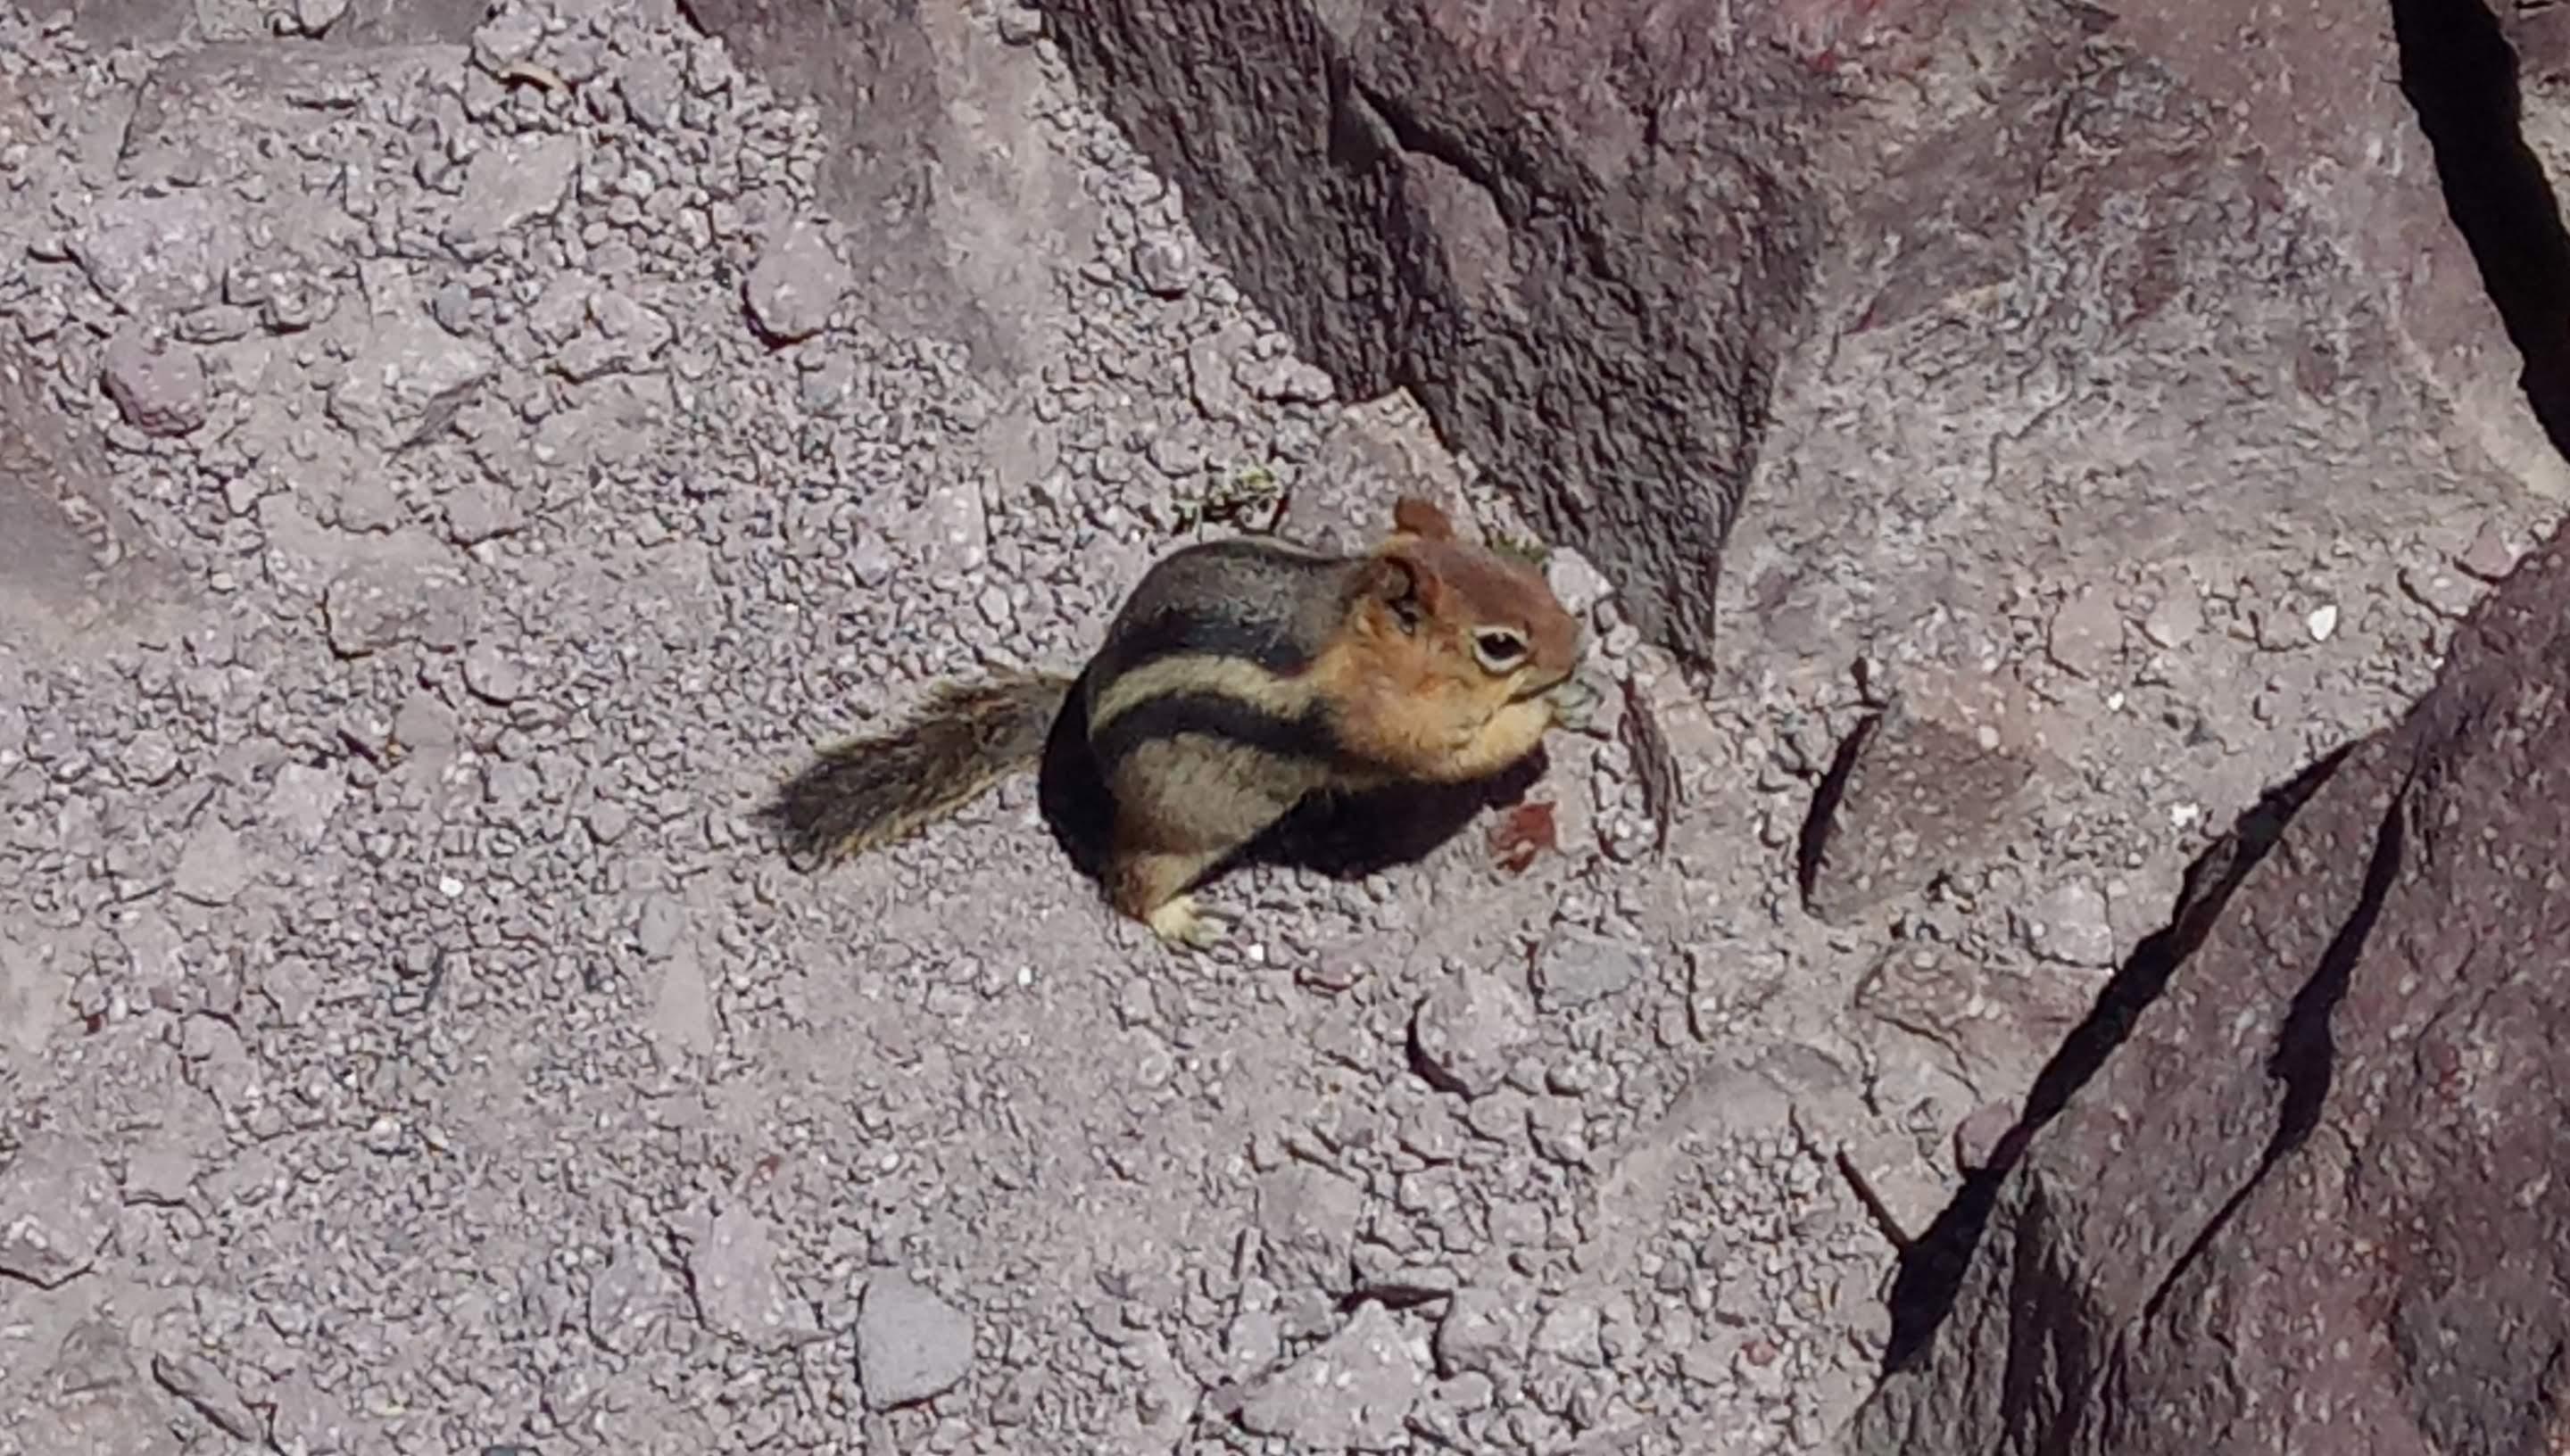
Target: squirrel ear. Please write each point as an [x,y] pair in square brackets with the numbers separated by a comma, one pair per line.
[1405,586]
[1413,515]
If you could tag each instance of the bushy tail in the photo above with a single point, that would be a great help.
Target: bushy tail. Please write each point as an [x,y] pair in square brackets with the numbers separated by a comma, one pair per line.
[866,793]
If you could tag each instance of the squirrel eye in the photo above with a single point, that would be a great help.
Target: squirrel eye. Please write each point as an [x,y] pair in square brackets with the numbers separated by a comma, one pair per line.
[1499,651]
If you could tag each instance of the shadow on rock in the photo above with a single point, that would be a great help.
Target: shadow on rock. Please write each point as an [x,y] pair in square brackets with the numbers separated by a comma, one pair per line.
[1924,1285]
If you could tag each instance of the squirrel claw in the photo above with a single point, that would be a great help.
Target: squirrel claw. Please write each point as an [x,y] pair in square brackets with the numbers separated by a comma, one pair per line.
[1574,703]
[1181,923]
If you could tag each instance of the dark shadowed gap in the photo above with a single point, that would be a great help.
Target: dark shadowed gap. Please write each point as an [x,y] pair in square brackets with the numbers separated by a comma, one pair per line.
[2459,74]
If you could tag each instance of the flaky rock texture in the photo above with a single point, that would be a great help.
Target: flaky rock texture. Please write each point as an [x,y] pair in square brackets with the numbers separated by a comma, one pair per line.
[2312,1202]
[1650,262]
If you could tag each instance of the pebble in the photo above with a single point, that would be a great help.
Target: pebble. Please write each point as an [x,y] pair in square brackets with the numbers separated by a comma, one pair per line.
[160,391]
[1469,1029]
[2086,633]
[409,382]
[911,1344]
[796,283]
[1578,967]
[506,187]
[732,1270]
[1352,1392]
[2070,923]
[151,757]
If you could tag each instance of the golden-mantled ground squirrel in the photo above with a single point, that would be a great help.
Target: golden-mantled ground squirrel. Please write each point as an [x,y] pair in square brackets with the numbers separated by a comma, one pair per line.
[1240,677]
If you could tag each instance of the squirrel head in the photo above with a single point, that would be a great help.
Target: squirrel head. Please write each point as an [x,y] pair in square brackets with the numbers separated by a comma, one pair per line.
[1486,622]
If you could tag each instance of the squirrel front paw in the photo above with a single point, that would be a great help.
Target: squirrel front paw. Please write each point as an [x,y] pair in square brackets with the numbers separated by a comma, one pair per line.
[1182,924]
[1574,703]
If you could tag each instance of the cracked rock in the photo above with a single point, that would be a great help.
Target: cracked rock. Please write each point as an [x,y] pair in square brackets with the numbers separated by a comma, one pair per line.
[1352,1392]
[911,1344]
[160,391]
[796,283]
[56,1201]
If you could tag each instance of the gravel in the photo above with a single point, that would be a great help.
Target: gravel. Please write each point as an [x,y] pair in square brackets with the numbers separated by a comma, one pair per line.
[406,1045]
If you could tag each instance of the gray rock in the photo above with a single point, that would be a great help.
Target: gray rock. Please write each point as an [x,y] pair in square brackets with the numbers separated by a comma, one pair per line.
[214,866]
[1485,1329]
[651,92]
[1467,1030]
[506,185]
[159,390]
[193,1379]
[302,800]
[370,608]
[151,757]
[160,1176]
[506,40]
[480,509]
[732,1270]
[1308,1219]
[409,382]
[796,283]
[57,1200]
[1352,1392]
[157,255]
[911,1344]
[627,1299]
[1578,967]
[2069,924]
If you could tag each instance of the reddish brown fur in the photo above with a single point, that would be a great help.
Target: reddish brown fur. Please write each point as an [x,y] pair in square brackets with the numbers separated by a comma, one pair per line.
[1418,698]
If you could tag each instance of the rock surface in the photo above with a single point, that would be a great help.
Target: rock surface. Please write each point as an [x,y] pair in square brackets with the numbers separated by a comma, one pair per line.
[1647,262]
[2312,1202]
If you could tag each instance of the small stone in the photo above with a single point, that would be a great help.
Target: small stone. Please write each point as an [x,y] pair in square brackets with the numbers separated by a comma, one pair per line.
[506,40]
[2086,633]
[652,91]
[1570,1332]
[370,608]
[423,722]
[1309,1219]
[163,255]
[796,283]
[1467,1030]
[1352,1392]
[1578,967]
[160,391]
[1484,1329]
[2488,557]
[911,1344]
[366,502]
[213,865]
[506,185]
[1161,265]
[2069,925]
[1576,580]
[164,1176]
[731,1272]
[151,757]
[56,1206]
[1976,1137]
[313,17]
[480,509]
[193,1379]
[410,382]
[302,800]
[2448,595]
[608,822]
[2177,617]
[1020,25]
[870,559]
[627,1301]
[494,673]
[2321,621]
